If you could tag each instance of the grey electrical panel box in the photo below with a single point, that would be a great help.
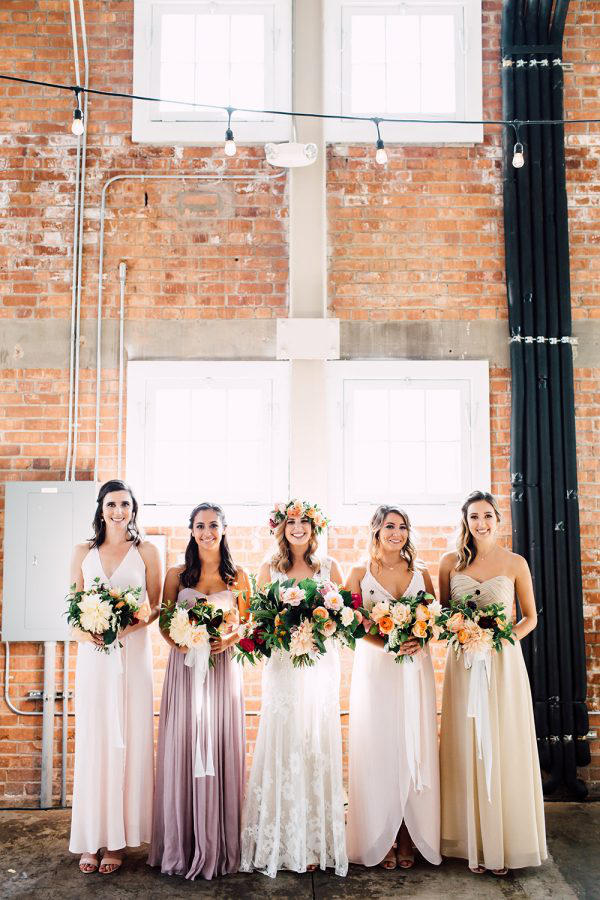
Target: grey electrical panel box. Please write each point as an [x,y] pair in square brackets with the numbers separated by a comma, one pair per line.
[43,521]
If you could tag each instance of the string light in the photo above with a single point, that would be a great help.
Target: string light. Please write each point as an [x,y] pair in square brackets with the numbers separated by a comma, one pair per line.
[78,126]
[381,156]
[518,159]
[230,148]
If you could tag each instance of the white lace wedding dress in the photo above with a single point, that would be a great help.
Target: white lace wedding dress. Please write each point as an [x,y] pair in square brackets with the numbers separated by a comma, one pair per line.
[293,813]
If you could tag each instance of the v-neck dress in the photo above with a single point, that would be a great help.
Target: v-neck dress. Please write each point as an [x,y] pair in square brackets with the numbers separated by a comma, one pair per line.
[508,828]
[196,829]
[382,793]
[113,779]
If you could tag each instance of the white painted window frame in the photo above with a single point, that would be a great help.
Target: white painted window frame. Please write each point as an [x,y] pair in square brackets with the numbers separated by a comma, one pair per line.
[142,380]
[470,104]
[206,127]
[477,414]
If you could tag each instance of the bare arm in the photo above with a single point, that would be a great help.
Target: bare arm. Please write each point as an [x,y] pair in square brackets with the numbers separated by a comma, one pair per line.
[428,582]
[76,577]
[447,563]
[264,574]
[151,558]
[336,573]
[524,589]
[243,591]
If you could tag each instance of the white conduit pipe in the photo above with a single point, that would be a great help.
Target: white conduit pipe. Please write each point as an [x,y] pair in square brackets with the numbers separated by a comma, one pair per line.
[80,239]
[122,280]
[241,177]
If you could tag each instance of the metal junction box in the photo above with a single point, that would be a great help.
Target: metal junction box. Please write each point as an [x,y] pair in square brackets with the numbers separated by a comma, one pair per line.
[43,520]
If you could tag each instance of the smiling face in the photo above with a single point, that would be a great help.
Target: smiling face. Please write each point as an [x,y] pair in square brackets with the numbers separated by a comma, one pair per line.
[482,520]
[117,509]
[298,531]
[207,530]
[393,534]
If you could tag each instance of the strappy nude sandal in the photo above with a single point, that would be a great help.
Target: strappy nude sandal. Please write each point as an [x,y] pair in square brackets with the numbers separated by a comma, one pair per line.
[389,860]
[499,872]
[405,862]
[477,870]
[88,863]
[110,863]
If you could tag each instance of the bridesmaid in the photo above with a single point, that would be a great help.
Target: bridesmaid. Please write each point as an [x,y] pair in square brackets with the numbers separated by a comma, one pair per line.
[507,830]
[394,793]
[196,829]
[114,727]
[294,807]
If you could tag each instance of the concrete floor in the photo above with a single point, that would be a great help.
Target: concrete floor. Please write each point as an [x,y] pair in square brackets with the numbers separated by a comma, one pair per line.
[34,862]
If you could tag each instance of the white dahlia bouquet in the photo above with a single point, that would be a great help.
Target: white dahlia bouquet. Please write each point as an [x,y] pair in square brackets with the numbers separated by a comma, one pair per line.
[105,611]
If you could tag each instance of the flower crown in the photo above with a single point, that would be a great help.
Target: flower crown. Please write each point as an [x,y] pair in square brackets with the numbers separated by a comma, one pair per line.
[298,509]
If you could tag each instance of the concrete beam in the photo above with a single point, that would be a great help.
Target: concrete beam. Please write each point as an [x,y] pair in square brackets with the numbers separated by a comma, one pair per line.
[44,343]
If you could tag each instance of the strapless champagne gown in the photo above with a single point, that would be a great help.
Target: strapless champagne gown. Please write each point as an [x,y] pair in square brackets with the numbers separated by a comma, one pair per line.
[508,829]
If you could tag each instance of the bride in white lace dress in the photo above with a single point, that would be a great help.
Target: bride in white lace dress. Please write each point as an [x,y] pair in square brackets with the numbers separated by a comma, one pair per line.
[293,815]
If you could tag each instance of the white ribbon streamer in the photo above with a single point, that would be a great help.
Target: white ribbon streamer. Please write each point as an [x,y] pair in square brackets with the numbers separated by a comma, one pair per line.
[115,679]
[412,717]
[197,658]
[478,708]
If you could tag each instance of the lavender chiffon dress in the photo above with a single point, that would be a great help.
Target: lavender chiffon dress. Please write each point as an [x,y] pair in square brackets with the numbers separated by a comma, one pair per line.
[196,827]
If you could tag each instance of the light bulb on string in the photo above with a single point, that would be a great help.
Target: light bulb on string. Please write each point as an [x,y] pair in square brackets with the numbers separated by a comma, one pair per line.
[381,156]
[518,159]
[230,148]
[77,126]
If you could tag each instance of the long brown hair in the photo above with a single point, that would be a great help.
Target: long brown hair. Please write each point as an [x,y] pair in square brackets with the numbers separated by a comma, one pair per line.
[408,552]
[281,560]
[98,523]
[193,565]
[466,549]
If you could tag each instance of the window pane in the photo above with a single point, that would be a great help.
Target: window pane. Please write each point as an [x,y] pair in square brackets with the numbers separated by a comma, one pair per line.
[367,38]
[172,469]
[368,87]
[245,414]
[370,414]
[443,415]
[177,38]
[407,468]
[407,415]
[248,39]
[244,467]
[172,412]
[247,85]
[212,38]
[444,468]
[208,413]
[370,470]
[213,84]
[438,64]
[208,469]
[176,83]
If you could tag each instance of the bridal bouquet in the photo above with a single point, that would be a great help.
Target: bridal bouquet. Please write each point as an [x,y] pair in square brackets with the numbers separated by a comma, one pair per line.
[408,618]
[106,611]
[299,618]
[470,629]
[194,622]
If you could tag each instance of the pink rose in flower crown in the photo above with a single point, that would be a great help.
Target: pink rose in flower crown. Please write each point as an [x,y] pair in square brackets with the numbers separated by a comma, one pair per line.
[295,510]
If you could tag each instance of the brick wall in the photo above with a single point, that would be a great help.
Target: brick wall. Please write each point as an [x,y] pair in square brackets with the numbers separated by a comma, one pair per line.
[420,238]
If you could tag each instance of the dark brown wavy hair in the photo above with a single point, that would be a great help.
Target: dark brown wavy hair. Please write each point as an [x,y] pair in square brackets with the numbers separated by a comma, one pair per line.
[98,523]
[193,565]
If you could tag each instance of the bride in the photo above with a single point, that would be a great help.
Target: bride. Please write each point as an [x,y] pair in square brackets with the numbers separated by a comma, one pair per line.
[293,815]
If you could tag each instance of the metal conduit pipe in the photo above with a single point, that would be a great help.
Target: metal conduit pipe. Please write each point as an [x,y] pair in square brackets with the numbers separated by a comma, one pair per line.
[65,724]
[241,177]
[122,280]
[80,240]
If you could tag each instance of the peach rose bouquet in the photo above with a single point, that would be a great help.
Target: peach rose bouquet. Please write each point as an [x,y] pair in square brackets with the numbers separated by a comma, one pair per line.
[420,617]
[106,611]
[471,629]
[298,618]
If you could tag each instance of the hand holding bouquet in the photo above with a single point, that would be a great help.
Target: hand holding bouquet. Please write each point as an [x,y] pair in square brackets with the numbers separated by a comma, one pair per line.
[418,618]
[470,629]
[298,618]
[103,612]
[195,622]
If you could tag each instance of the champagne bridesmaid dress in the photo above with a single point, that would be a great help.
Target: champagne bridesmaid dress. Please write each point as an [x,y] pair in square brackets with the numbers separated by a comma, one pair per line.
[386,699]
[507,830]
[113,781]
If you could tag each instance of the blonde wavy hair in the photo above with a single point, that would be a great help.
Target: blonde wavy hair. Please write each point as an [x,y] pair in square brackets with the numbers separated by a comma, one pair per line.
[466,549]
[281,560]
[408,552]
